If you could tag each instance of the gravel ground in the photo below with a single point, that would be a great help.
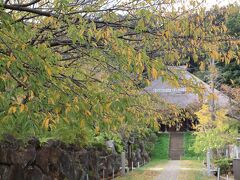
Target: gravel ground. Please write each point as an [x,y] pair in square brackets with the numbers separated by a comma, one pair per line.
[170,171]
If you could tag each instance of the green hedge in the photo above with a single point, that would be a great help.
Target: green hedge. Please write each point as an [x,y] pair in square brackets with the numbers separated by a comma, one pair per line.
[188,141]
[224,164]
[161,148]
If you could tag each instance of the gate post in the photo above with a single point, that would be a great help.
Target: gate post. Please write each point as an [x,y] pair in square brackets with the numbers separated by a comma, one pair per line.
[236,167]
[123,163]
[208,163]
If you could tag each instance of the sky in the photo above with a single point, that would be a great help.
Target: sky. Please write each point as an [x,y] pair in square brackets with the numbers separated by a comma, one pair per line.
[220,2]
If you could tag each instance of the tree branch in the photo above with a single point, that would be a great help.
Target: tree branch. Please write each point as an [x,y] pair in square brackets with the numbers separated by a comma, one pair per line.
[16,79]
[27,9]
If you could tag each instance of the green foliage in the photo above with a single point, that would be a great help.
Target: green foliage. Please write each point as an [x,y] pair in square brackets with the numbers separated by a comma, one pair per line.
[150,142]
[233,22]
[214,134]
[189,153]
[229,73]
[161,149]
[225,165]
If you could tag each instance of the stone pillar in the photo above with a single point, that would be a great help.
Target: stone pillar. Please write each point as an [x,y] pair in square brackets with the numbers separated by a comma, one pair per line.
[236,169]
[237,152]
[208,163]
[123,163]
[231,151]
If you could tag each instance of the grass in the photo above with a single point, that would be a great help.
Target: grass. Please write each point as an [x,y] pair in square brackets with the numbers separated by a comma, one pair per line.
[161,149]
[189,170]
[159,158]
[147,172]
[193,170]
[189,153]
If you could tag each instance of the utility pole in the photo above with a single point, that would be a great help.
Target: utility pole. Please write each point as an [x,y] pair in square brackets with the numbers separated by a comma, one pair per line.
[212,106]
[212,87]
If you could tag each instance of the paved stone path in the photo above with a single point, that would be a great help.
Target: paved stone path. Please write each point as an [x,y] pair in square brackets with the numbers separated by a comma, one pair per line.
[170,171]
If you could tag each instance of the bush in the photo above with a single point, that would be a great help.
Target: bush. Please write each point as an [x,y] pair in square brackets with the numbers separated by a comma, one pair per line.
[150,142]
[189,153]
[161,149]
[225,165]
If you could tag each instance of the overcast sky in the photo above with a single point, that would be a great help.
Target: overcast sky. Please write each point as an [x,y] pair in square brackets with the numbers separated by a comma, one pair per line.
[220,2]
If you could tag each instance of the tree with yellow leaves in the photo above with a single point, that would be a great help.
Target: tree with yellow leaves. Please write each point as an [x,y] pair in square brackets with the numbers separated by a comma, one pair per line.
[214,134]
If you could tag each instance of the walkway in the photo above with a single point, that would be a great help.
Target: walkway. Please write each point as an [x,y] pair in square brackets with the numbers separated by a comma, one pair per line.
[170,171]
[175,169]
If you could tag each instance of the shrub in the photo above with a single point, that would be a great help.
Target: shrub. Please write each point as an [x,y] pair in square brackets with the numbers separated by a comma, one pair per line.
[161,149]
[225,165]
[189,153]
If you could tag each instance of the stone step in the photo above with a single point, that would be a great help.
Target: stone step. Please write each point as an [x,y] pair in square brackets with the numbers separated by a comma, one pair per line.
[176,145]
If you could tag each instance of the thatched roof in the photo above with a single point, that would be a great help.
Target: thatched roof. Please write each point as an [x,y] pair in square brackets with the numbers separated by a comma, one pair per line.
[234,111]
[186,93]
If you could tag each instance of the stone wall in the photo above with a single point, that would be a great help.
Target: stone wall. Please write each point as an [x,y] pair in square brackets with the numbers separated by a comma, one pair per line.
[55,160]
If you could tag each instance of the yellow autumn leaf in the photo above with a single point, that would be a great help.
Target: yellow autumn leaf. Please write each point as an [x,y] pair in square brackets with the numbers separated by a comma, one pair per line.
[45,123]
[82,123]
[12,58]
[66,119]
[57,118]
[167,34]
[154,73]
[9,63]
[23,46]
[49,71]
[156,125]
[106,34]
[97,129]
[141,67]
[147,82]
[31,95]
[106,120]
[67,110]
[224,28]
[77,107]
[230,55]
[129,53]
[57,110]
[25,78]
[75,99]
[88,113]
[195,57]
[49,20]
[202,66]
[51,101]
[22,107]
[108,106]
[139,57]
[121,118]
[12,109]
[214,54]
[25,107]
